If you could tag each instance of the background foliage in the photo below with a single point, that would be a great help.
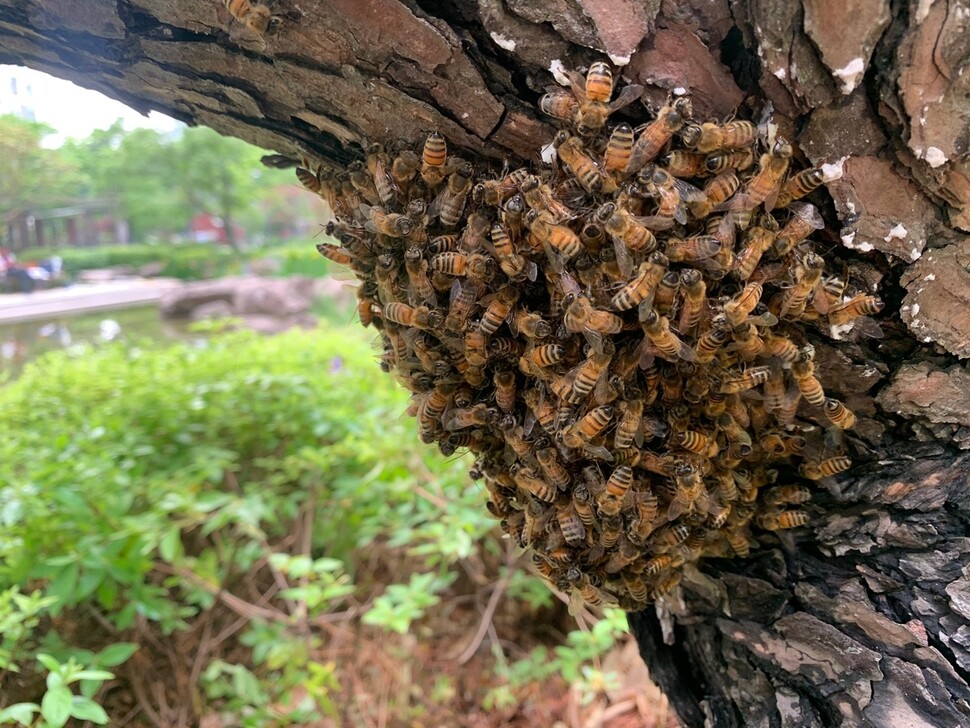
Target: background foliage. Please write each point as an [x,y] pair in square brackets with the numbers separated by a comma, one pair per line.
[270,483]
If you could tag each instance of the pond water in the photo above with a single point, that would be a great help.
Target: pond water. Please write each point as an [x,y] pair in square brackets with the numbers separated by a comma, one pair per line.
[23,341]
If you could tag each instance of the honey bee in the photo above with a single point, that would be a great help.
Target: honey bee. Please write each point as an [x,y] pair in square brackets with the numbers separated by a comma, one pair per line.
[449,205]
[499,309]
[716,191]
[542,410]
[805,218]
[737,310]
[644,286]
[554,471]
[655,135]
[625,554]
[669,346]
[404,169]
[739,542]
[433,160]
[737,160]
[559,104]
[431,409]
[825,468]
[572,526]
[692,249]
[681,163]
[462,301]
[628,426]
[732,135]
[787,494]
[757,242]
[504,381]
[747,342]
[420,317]
[530,325]
[781,347]
[808,273]
[616,489]
[547,355]
[628,235]
[515,266]
[392,224]
[477,266]
[335,254]
[696,442]
[783,520]
[593,105]
[856,307]
[803,372]
[527,479]
[711,343]
[647,509]
[764,186]
[539,197]
[494,192]
[255,16]
[668,537]
[581,317]
[589,427]
[570,151]
[421,290]
[672,195]
[694,304]
[619,148]
[751,378]
[800,184]
[582,503]
[666,294]
[587,373]
[363,183]
[839,415]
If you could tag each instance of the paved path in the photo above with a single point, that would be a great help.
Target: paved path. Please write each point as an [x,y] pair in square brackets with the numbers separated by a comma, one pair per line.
[82,297]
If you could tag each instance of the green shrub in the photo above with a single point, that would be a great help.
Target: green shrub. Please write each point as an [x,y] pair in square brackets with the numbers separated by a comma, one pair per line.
[145,485]
[188,262]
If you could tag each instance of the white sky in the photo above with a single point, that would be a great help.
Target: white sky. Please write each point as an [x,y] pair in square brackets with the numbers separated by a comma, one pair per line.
[75,112]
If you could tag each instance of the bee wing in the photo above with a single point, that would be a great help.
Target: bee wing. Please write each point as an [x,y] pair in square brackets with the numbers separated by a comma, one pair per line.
[624,260]
[555,260]
[627,96]
[440,200]
[531,271]
[765,319]
[865,326]
[655,222]
[808,213]
[677,506]
[577,84]
[739,201]
[598,452]
[688,192]
[595,340]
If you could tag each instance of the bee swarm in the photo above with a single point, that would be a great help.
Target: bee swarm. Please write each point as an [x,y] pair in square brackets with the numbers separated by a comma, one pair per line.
[619,336]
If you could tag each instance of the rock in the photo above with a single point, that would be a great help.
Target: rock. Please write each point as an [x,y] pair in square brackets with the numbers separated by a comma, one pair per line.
[180,302]
[847,127]
[882,210]
[275,325]
[242,296]
[922,390]
[674,57]
[846,33]
[211,310]
[937,305]
[934,94]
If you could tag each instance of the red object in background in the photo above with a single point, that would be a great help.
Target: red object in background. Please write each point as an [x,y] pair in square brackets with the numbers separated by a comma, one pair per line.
[206,228]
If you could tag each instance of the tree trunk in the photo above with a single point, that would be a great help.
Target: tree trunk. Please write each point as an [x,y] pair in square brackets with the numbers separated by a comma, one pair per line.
[863,618]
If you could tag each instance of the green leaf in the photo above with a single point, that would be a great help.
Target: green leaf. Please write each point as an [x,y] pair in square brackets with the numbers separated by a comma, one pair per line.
[85,709]
[92,675]
[56,706]
[48,662]
[170,547]
[23,713]
[116,654]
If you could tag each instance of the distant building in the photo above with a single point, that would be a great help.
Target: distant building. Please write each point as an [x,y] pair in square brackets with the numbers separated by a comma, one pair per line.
[206,228]
[86,222]
[16,93]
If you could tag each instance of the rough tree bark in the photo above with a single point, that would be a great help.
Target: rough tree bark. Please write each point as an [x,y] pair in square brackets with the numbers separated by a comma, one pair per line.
[863,618]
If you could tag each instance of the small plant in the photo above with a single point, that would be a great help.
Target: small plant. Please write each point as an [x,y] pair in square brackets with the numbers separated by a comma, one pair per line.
[60,703]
